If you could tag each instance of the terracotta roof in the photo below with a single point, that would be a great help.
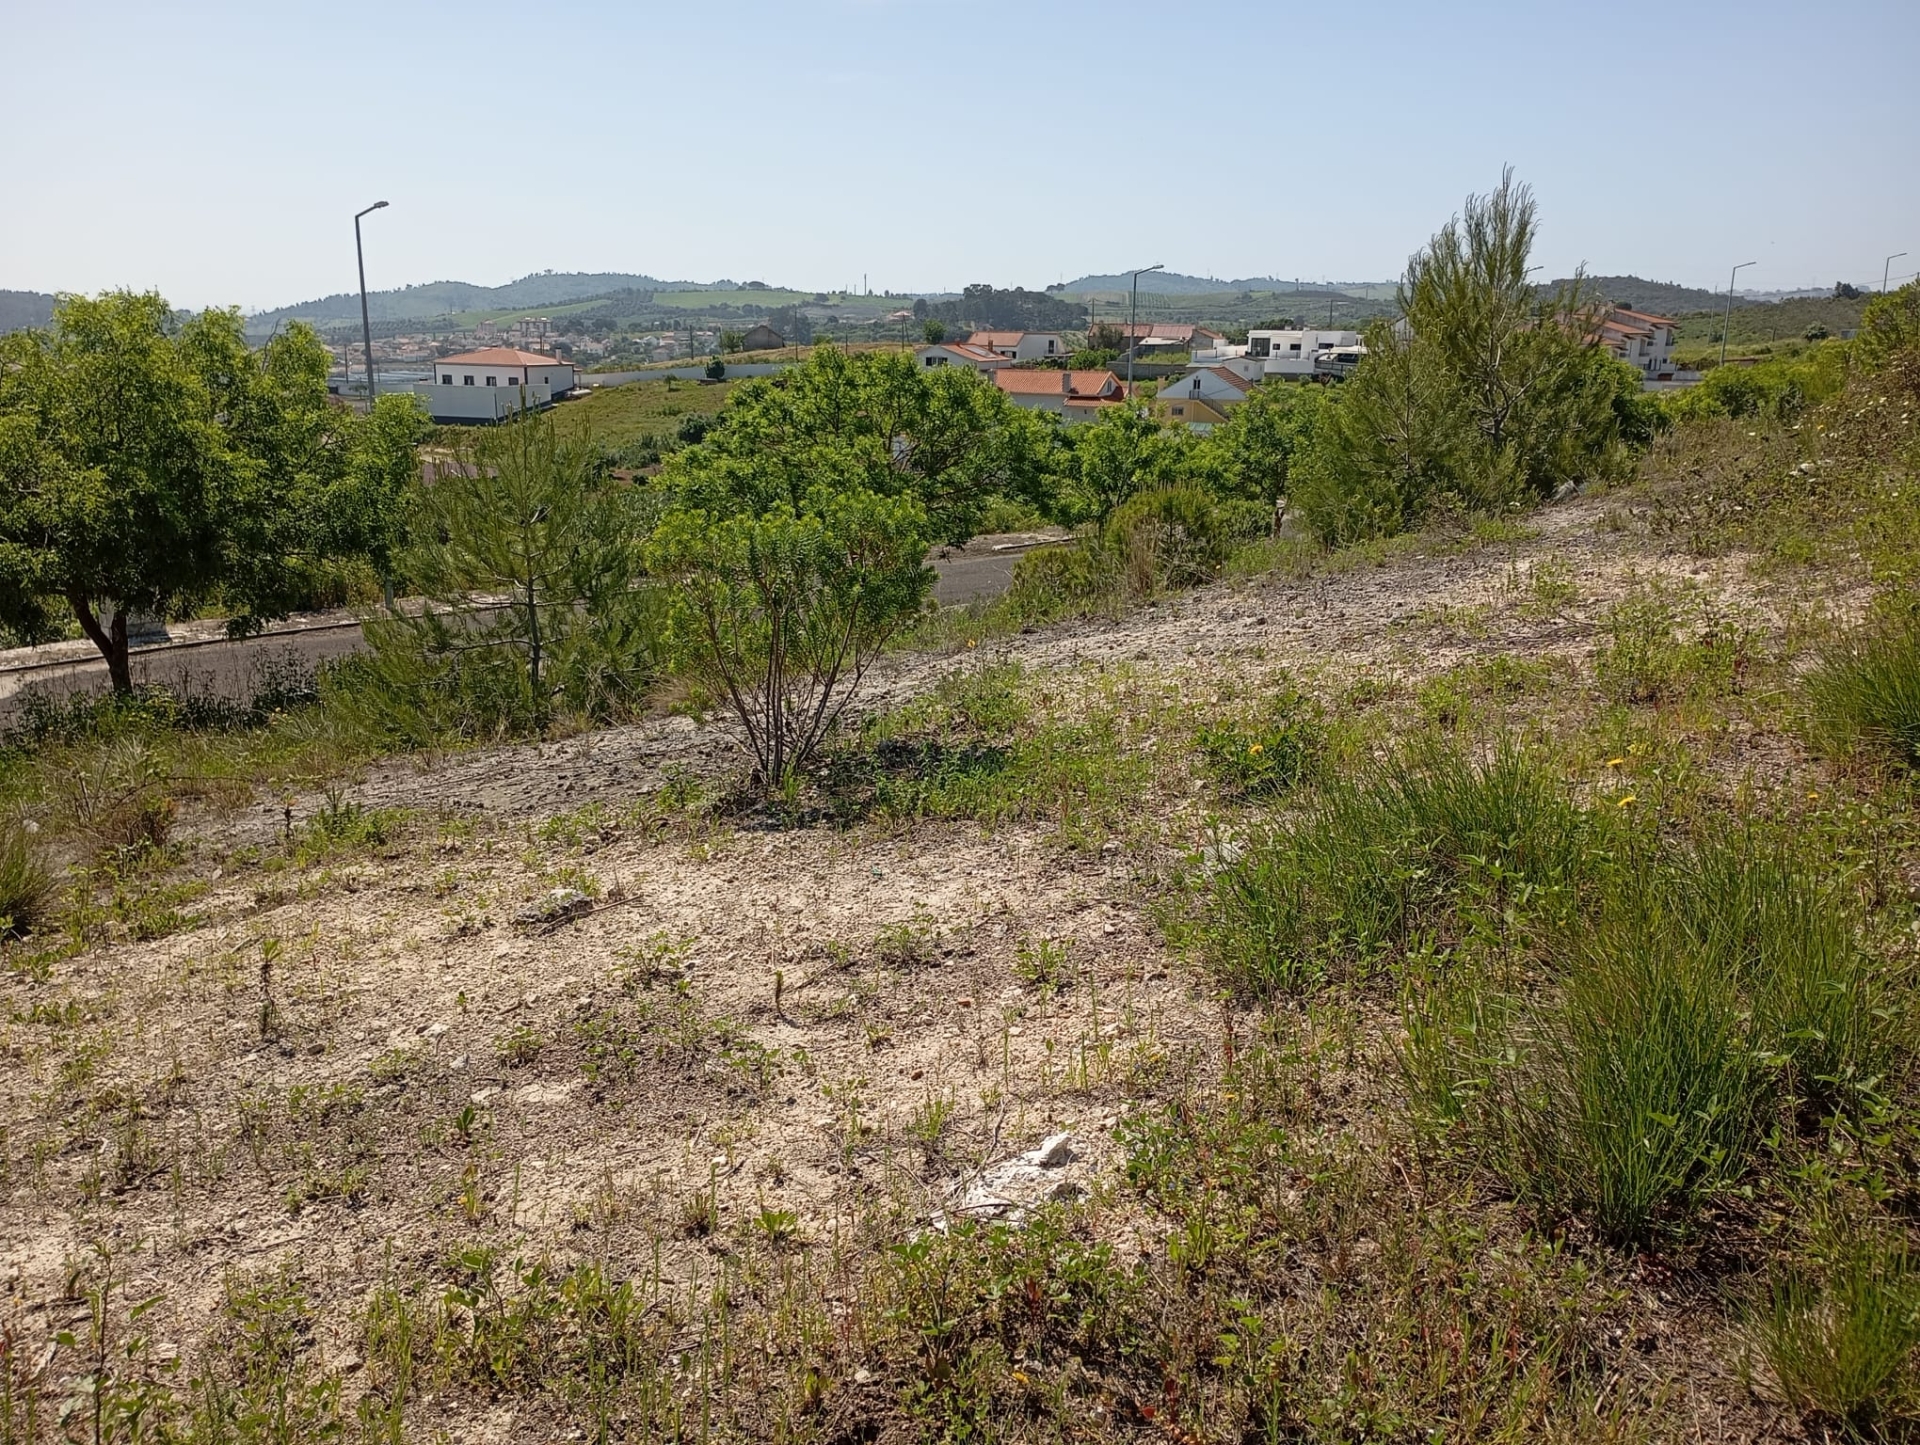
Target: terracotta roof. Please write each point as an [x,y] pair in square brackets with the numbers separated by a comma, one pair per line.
[501,356]
[1164,330]
[1080,384]
[977,353]
[1645,316]
[1232,377]
[1003,338]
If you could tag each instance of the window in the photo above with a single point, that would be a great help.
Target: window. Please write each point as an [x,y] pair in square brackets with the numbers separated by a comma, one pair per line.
[1179,411]
[468,379]
[1294,347]
[447,379]
[491,382]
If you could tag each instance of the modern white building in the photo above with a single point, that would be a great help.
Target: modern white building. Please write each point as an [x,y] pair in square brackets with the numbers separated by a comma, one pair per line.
[1020,345]
[1291,353]
[961,353]
[493,383]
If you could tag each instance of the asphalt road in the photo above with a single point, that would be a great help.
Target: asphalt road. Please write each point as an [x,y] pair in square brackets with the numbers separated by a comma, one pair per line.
[213,666]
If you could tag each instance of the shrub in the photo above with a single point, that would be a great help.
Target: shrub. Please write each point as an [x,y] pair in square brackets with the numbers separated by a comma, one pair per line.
[1655,653]
[1865,693]
[1169,538]
[1073,581]
[26,889]
[1840,1343]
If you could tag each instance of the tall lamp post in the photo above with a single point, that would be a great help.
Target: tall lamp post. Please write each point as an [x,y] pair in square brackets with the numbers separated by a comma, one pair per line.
[1727,320]
[1885,267]
[1133,321]
[366,326]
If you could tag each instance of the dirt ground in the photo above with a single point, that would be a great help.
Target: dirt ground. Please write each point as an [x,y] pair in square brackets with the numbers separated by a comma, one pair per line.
[822,995]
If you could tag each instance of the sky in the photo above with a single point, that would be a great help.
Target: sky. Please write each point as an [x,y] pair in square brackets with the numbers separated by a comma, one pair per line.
[217,152]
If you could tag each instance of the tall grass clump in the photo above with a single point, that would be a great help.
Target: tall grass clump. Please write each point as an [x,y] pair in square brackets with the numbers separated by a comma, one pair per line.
[1717,986]
[1865,694]
[1376,860]
[1840,1341]
[26,888]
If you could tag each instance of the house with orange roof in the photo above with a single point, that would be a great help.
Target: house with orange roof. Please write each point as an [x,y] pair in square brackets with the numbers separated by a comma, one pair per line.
[1021,345]
[1071,395]
[492,383]
[1642,340]
[960,353]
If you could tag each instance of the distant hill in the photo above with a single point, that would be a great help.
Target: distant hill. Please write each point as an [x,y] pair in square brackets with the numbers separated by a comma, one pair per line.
[1172,283]
[21,309]
[442,298]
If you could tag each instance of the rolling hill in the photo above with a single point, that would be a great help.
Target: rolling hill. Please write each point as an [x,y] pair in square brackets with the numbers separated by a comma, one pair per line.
[19,309]
[1173,283]
[445,298]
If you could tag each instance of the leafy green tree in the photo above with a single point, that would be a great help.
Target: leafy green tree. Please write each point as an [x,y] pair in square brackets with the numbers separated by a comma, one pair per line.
[1890,330]
[716,370]
[149,466]
[934,332]
[781,611]
[732,341]
[1108,460]
[527,555]
[874,422]
[1251,456]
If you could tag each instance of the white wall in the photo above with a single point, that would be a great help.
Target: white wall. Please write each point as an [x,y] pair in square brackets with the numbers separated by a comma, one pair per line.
[478,402]
[1291,353]
[557,377]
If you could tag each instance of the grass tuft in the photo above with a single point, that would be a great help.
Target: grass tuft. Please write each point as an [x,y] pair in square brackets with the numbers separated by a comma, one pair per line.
[1865,695]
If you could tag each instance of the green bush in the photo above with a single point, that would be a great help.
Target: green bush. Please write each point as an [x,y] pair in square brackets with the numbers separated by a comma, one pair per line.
[1660,650]
[26,889]
[1078,580]
[1866,691]
[1268,753]
[1168,539]
[1781,388]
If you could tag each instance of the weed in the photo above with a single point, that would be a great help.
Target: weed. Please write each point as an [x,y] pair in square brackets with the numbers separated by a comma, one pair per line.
[26,888]
[1663,649]
[519,1047]
[1264,755]
[1042,962]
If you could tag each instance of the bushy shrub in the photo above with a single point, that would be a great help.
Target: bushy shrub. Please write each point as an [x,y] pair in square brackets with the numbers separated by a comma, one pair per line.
[1168,539]
[1781,389]
[1264,755]
[1076,580]
[1866,691]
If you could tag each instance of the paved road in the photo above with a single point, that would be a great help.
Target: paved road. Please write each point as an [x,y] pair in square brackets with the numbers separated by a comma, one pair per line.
[198,660]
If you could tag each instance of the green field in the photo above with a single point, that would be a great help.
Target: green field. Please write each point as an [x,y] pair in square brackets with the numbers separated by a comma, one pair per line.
[617,416]
[1764,329]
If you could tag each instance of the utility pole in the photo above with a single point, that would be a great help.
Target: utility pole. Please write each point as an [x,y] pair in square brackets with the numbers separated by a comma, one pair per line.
[1727,321]
[1133,322]
[1885,267]
[366,326]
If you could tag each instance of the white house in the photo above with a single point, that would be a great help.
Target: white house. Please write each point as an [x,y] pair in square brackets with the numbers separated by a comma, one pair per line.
[1020,345]
[493,383]
[1643,341]
[1291,353]
[960,353]
[1207,383]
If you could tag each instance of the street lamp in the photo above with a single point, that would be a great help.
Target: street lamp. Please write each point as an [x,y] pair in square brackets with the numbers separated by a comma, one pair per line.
[1727,320]
[1886,266]
[1133,321]
[366,326]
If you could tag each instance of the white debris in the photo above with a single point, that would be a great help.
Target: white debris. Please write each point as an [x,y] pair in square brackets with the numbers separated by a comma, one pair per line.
[1012,1188]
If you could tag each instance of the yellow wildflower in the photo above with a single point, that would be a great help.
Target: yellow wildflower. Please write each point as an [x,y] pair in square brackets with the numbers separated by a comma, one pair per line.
[1615,762]
[1628,801]
[1812,796]
[1256,750]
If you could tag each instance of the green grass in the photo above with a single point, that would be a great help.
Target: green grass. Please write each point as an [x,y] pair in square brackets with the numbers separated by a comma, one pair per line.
[619,416]
[1865,694]
[1839,1340]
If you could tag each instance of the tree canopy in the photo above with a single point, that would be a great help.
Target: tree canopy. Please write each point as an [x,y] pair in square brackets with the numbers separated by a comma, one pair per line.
[150,465]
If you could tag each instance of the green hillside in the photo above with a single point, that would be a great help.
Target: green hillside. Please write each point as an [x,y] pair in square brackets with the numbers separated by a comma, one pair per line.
[21,309]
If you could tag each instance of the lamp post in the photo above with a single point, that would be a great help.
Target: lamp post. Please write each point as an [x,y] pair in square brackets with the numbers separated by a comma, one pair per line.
[1133,321]
[1727,320]
[366,326]
[1885,267]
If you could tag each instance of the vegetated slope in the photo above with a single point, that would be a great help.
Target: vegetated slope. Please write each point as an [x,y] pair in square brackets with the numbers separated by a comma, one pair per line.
[1766,321]
[21,309]
[1660,298]
[1173,283]
[441,298]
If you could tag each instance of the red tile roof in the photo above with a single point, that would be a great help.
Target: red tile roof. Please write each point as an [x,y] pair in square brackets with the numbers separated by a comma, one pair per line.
[501,356]
[1080,384]
[1003,338]
[970,352]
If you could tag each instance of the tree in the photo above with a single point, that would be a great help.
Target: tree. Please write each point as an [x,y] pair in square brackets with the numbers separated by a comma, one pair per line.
[716,370]
[732,341]
[919,308]
[525,516]
[935,332]
[1253,453]
[873,422]
[1111,459]
[149,466]
[781,612]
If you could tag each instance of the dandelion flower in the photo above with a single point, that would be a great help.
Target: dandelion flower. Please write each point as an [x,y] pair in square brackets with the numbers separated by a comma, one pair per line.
[1813,796]
[1628,801]
[1615,762]
[1256,750]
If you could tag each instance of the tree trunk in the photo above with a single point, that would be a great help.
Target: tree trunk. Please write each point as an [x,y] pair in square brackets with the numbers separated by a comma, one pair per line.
[111,640]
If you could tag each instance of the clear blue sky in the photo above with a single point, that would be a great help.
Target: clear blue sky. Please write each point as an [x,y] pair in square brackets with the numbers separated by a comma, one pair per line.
[218,151]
